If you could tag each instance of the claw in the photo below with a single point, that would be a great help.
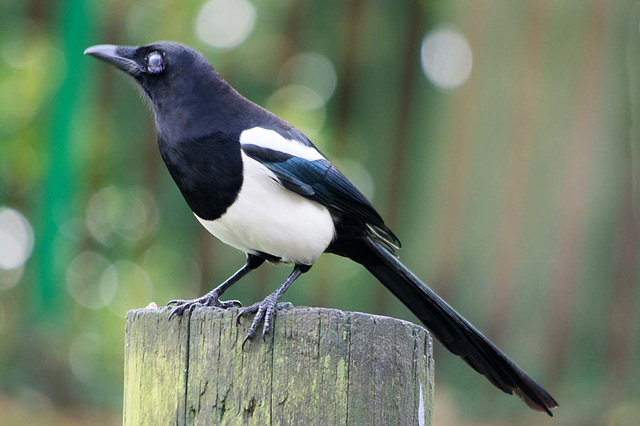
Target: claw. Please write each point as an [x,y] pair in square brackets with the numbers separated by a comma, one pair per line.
[265,312]
[208,300]
[176,311]
[190,309]
[245,340]
[247,311]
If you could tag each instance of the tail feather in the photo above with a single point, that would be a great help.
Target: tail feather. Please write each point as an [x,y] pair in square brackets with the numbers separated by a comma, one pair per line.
[455,332]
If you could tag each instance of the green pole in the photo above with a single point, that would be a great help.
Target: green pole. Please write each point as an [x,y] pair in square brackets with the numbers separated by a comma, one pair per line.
[72,35]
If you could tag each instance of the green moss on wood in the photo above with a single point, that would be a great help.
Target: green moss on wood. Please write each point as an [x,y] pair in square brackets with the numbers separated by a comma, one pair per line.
[321,366]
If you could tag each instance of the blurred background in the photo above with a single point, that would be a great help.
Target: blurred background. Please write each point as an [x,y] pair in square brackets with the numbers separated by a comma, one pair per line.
[499,140]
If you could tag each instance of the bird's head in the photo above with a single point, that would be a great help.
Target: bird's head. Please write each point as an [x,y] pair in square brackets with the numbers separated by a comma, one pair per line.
[177,78]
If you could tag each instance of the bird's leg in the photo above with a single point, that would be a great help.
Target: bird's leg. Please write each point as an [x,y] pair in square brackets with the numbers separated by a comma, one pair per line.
[265,310]
[212,298]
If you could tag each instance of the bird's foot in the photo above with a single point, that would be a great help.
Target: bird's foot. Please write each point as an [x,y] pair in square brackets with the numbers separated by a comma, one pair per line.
[211,299]
[265,311]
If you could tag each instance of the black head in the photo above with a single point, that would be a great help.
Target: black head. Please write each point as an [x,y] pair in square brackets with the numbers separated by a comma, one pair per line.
[156,66]
[177,78]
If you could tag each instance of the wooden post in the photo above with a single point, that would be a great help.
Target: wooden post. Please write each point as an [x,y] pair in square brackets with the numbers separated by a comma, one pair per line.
[320,367]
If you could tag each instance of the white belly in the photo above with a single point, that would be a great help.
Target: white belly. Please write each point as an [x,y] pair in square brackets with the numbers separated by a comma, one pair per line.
[271,219]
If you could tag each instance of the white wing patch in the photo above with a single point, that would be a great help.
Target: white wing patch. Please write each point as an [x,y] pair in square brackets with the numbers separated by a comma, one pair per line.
[270,139]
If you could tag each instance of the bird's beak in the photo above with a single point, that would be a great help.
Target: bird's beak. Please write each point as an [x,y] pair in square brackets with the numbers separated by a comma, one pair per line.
[119,56]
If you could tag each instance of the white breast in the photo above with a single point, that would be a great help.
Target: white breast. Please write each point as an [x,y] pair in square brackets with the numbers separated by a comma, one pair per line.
[271,219]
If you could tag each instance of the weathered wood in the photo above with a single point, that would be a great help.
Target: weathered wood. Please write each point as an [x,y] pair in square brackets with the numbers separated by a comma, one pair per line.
[321,367]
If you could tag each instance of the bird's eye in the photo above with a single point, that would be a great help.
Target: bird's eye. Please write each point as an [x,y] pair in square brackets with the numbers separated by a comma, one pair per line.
[155,62]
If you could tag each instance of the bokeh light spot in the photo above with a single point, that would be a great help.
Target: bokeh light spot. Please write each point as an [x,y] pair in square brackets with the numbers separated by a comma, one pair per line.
[130,214]
[10,277]
[124,286]
[311,70]
[301,106]
[224,24]
[16,239]
[446,57]
[83,279]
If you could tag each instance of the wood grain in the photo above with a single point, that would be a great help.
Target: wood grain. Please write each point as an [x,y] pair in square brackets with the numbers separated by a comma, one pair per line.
[321,366]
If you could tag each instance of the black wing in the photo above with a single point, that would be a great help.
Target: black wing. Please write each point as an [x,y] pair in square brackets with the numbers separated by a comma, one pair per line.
[321,181]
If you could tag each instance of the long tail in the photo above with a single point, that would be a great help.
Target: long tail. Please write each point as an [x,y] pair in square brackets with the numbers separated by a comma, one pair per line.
[455,332]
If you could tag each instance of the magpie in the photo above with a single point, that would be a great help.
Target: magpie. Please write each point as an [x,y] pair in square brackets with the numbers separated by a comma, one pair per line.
[260,185]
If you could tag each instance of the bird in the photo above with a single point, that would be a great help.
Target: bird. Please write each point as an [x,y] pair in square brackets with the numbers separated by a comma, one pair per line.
[260,185]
